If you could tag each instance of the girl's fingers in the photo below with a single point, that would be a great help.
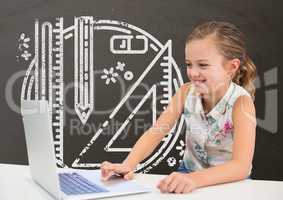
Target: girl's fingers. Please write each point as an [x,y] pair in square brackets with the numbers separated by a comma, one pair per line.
[175,183]
[163,184]
[108,175]
[172,186]
[190,186]
[129,176]
[117,168]
[188,189]
[106,170]
[180,188]
[109,169]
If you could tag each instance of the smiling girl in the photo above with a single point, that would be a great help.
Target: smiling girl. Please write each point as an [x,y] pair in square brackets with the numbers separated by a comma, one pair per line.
[218,108]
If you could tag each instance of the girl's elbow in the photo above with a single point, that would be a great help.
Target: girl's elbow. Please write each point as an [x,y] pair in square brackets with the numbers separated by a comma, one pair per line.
[242,171]
[244,174]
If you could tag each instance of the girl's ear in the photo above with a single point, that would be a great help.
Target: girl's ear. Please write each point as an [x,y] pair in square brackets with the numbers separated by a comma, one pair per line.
[232,66]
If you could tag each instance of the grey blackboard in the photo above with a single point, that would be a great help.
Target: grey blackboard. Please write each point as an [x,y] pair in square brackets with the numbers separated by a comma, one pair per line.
[119,41]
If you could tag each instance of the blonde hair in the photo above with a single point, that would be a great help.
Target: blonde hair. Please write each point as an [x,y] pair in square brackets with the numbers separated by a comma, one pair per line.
[230,43]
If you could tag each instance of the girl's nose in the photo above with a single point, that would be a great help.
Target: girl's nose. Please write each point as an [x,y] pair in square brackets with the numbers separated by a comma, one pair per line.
[193,72]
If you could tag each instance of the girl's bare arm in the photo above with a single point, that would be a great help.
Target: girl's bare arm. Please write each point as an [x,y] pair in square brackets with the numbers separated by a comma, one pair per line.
[152,137]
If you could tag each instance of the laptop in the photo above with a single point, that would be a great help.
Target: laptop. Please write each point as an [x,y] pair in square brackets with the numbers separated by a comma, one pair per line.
[63,183]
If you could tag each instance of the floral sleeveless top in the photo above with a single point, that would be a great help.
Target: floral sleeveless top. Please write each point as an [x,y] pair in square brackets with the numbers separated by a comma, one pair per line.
[209,137]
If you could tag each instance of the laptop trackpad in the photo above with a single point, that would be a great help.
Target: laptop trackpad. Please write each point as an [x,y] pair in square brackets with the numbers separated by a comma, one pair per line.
[115,184]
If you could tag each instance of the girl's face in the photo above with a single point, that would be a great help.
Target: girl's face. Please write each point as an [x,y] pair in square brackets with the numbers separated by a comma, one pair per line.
[206,67]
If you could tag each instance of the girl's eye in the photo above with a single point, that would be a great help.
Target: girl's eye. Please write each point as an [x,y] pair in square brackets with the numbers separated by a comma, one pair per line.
[203,66]
[188,65]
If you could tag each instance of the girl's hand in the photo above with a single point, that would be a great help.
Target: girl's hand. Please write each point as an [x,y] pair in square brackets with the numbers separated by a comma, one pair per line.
[177,183]
[109,169]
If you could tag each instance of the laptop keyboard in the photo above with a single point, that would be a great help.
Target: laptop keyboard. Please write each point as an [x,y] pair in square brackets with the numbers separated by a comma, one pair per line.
[75,184]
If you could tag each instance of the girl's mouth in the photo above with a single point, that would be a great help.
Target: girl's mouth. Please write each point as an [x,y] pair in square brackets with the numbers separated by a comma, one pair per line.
[198,82]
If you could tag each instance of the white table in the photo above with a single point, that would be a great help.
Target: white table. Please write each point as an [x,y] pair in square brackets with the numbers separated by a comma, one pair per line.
[16,184]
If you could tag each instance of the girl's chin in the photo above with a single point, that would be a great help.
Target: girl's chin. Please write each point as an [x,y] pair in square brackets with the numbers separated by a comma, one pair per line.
[202,93]
[202,90]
